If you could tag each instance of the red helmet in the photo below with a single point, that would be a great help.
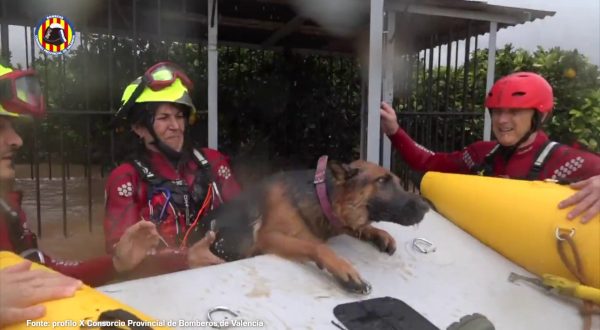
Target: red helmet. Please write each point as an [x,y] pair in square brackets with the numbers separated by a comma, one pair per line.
[524,90]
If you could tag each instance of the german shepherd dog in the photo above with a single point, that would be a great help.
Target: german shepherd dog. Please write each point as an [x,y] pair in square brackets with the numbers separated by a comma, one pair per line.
[283,215]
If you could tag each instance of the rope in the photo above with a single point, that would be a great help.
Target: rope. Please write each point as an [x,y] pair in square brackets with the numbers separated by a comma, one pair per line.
[207,201]
[577,270]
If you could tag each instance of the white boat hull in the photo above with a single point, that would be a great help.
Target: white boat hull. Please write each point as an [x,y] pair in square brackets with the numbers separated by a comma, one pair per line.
[461,277]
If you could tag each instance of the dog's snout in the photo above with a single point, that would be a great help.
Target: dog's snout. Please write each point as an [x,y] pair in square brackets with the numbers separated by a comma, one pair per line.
[414,210]
[418,205]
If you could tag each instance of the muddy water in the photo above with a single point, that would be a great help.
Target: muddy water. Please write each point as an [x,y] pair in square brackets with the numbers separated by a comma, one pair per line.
[79,243]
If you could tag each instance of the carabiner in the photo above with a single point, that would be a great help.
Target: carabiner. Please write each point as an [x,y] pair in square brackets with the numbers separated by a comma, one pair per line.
[422,245]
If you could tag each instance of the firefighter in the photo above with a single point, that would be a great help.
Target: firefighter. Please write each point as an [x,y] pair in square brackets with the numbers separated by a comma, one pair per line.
[519,104]
[166,180]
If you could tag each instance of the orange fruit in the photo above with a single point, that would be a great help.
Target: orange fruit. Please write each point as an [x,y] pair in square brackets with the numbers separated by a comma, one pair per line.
[570,73]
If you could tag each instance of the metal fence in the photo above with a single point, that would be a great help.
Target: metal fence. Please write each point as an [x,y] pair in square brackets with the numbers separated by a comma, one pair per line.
[57,162]
[439,132]
[438,104]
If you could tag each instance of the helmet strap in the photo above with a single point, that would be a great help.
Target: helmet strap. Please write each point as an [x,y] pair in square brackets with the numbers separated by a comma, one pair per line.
[124,111]
[173,155]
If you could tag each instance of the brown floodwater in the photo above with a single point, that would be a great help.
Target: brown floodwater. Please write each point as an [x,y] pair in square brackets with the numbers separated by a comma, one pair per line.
[80,242]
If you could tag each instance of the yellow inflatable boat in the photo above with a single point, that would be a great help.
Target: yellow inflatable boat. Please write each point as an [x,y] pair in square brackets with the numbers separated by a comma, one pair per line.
[519,219]
[82,310]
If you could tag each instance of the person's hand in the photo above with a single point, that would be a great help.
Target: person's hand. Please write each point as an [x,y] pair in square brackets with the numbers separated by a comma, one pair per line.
[389,121]
[138,241]
[22,289]
[587,199]
[199,254]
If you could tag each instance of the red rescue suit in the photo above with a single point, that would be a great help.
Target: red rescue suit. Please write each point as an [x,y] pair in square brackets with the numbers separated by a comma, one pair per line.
[130,198]
[564,163]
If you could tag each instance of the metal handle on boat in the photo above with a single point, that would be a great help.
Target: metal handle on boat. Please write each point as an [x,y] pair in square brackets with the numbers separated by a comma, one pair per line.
[423,245]
[558,236]
[220,309]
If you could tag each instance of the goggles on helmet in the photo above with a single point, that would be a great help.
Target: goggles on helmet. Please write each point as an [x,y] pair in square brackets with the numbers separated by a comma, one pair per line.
[157,77]
[163,74]
[21,91]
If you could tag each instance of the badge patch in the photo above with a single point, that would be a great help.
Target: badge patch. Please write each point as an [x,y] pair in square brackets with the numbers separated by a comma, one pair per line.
[224,172]
[125,190]
[54,34]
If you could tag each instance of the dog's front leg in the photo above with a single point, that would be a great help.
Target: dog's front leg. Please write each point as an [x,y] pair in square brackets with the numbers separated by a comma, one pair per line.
[381,238]
[298,249]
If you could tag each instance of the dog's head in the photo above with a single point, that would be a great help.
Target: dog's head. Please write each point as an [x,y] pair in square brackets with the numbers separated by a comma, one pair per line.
[365,192]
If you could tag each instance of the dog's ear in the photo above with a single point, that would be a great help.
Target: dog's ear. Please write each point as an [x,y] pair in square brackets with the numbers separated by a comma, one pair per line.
[341,172]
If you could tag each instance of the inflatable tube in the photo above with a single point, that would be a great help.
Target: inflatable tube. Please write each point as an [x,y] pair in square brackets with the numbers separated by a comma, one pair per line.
[86,306]
[517,218]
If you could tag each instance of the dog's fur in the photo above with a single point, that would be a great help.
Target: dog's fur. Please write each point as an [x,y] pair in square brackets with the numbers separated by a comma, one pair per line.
[283,216]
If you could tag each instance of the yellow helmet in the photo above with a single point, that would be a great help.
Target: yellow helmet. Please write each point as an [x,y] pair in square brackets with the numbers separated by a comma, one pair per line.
[20,93]
[163,82]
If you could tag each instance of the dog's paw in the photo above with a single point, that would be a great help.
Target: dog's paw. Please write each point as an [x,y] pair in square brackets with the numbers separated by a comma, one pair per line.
[385,242]
[361,287]
[341,270]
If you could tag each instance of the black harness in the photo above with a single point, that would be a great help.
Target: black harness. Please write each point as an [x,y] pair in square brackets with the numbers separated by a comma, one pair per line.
[486,168]
[178,193]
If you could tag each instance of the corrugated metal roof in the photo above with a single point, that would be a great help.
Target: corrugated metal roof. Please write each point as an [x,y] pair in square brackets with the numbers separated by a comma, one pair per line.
[267,23]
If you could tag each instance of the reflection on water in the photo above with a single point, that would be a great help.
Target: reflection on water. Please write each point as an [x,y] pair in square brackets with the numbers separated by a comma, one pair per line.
[79,243]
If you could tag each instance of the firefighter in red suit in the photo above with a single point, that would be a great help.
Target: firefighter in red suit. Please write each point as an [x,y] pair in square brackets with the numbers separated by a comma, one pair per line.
[165,180]
[20,96]
[519,104]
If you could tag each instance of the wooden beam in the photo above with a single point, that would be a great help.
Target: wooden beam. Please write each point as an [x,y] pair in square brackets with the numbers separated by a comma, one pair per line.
[290,27]
[226,21]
